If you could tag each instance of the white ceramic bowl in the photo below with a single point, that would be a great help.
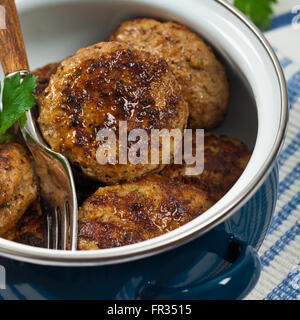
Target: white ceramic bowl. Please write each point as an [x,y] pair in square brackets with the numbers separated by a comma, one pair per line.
[54,29]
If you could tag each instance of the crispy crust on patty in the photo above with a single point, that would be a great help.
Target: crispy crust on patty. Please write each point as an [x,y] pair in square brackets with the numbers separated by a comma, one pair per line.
[224,161]
[31,228]
[43,77]
[18,188]
[201,75]
[133,212]
[99,87]
[125,214]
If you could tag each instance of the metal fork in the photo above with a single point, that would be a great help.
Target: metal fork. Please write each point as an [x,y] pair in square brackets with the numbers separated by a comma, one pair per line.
[57,187]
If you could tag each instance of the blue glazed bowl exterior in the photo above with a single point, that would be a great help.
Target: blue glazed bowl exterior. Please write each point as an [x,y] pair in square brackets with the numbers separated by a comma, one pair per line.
[222,264]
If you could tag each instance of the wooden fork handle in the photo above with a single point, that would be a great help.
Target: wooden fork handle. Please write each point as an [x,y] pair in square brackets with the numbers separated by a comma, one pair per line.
[12,50]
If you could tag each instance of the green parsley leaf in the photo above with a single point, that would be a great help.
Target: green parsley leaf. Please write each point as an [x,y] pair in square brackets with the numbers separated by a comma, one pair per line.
[22,120]
[17,98]
[259,11]
[6,137]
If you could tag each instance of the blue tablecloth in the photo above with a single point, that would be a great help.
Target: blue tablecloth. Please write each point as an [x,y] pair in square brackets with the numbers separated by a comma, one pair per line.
[280,252]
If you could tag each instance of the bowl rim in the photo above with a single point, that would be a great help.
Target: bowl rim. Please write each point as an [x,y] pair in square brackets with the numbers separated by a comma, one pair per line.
[162,243]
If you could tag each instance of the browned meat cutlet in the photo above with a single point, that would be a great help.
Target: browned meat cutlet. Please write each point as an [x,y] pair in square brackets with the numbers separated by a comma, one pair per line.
[129,213]
[31,228]
[18,188]
[43,77]
[96,89]
[202,76]
[224,161]
[124,214]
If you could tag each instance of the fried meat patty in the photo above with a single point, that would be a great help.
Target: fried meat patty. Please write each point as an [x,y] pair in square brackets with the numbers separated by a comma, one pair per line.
[224,161]
[125,214]
[43,77]
[201,75]
[133,212]
[31,228]
[18,188]
[96,89]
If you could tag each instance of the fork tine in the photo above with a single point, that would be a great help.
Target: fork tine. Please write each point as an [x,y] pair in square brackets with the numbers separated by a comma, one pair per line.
[55,229]
[49,232]
[68,226]
[57,189]
[63,228]
[72,216]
